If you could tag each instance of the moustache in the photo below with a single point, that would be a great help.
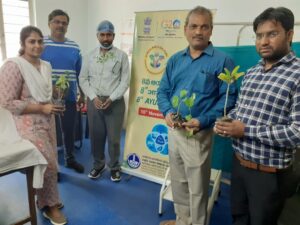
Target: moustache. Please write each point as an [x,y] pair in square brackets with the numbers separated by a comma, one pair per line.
[265,48]
[106,44]
[198,37]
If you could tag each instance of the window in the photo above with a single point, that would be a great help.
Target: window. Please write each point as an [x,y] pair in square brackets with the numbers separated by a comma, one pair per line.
[14,14]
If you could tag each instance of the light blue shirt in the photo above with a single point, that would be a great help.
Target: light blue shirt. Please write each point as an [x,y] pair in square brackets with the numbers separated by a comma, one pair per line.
[105,75]
[199,76]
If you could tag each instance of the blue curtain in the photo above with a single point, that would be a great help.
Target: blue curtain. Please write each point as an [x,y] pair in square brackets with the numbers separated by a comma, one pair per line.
[245,57]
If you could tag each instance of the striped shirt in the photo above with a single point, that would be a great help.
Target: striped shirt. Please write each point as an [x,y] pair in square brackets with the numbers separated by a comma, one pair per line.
[65,58]
[269,106]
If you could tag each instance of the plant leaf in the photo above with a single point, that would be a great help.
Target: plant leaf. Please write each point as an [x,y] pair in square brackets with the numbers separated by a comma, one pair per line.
[235,75]
[227,72]
[238,75]
[235,69]
[183,93]
[189,133]
[193,96]
[189,102]
[188,117]
[175,101]
[62,82]
[230,78]
[225,78]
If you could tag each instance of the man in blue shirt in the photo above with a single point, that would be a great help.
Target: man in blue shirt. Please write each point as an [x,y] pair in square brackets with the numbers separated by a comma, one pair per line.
[65,58]
[266,124]
[196,70]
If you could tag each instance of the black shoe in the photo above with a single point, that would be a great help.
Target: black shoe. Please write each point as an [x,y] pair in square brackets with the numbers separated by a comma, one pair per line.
[76,166]
[115,175]
[95,173]
[59,205]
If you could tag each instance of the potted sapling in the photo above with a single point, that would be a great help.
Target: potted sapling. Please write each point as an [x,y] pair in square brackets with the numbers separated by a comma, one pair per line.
[61,89]
[177,102]
[229,78]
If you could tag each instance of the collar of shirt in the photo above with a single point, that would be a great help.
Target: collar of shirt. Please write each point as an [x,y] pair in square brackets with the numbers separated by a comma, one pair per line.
[209,50]
[284,60]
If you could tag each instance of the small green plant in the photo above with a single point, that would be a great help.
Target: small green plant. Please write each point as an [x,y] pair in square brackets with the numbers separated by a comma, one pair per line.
[229,78]
[176,103]
[62,86]
[104,57]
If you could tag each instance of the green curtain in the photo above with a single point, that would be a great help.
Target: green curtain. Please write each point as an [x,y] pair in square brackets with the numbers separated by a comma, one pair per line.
[245,57]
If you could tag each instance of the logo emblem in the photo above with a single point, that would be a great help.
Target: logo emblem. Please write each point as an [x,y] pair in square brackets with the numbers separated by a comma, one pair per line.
[147,25]
[157,140]
[156,59]
[133,161]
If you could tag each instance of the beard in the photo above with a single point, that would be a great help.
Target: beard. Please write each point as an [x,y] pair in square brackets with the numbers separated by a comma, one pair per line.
[106,44]
[275,55]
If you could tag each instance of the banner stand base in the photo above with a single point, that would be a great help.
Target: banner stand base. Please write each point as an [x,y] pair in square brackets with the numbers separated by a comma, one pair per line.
[142,175]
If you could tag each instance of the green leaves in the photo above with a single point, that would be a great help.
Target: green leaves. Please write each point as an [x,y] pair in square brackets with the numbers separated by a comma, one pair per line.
[175,101]
[188,117]
[189,102]
[61,86]
[104,57]
[230,78]
[189,133]
[183,93]
[63,82]
[235,73]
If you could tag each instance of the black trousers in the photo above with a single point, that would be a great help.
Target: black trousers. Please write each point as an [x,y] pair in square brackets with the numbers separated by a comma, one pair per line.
[257,198]
[106,124]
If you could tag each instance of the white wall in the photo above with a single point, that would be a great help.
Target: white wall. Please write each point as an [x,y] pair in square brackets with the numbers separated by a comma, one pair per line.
[86,14]
[227,11]
[76,9]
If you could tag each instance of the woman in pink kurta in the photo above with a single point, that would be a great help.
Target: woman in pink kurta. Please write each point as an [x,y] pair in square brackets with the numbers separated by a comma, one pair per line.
[25,90]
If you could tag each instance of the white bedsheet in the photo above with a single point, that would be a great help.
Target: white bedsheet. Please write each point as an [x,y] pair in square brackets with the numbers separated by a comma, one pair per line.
[17,153]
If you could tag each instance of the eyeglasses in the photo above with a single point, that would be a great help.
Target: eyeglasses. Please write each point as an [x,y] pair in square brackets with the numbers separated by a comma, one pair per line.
[57,22]
[268,35]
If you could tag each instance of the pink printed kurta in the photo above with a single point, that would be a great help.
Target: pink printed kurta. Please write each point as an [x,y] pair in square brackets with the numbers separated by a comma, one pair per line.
[37,128]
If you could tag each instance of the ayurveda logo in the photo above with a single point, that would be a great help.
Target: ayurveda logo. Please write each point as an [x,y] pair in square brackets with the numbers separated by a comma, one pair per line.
[156,59]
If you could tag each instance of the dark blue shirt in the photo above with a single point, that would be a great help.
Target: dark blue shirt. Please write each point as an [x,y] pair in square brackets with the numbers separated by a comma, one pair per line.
[199,76]
[269,106]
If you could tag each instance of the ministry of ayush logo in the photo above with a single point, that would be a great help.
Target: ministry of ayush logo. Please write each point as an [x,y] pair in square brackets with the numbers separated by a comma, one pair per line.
[156,59]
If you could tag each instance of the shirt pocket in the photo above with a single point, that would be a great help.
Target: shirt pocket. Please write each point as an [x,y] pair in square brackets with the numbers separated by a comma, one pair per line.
[205,82]
[116,68]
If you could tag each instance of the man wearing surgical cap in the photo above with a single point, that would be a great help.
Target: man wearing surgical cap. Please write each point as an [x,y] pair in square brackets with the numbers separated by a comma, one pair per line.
[104,79]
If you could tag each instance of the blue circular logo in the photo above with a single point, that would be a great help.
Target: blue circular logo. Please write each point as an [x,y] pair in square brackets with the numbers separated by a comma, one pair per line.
[133,161]
[157,139]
